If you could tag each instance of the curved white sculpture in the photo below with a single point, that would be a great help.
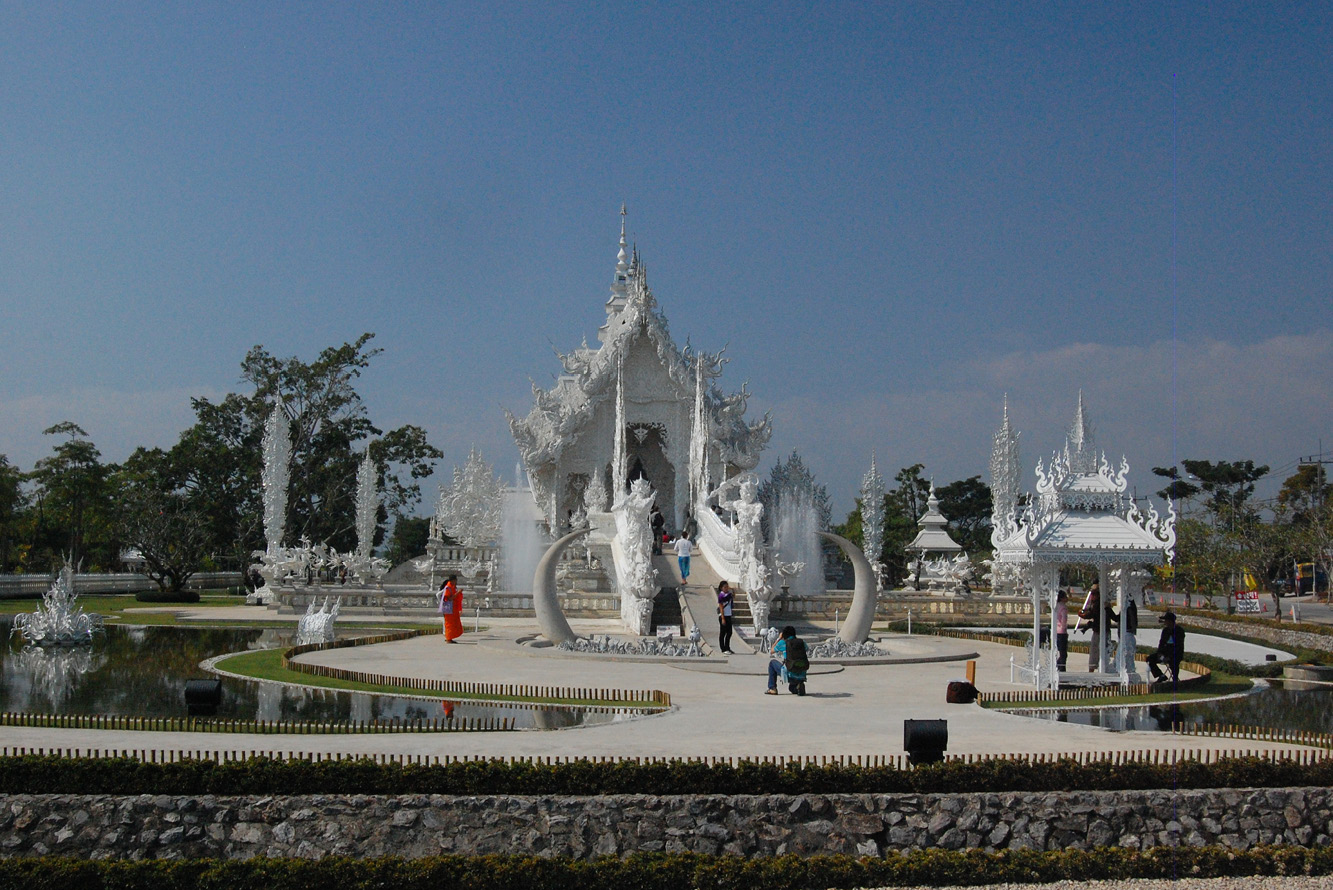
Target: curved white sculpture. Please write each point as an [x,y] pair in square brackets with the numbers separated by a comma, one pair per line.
[862,613]
[550,617]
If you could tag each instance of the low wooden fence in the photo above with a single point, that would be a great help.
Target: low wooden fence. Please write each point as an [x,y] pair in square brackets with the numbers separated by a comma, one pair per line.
[1299,756]
[257,727]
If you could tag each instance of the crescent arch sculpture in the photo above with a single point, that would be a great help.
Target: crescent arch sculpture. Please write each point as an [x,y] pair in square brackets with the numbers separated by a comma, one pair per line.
[550,617]
[856,629]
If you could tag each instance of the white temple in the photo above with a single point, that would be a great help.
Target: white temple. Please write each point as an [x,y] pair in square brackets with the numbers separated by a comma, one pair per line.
[639,389]
[1080,514]
[638,407]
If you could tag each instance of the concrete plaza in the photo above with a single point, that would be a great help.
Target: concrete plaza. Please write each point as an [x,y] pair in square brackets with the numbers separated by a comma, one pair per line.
[719,707]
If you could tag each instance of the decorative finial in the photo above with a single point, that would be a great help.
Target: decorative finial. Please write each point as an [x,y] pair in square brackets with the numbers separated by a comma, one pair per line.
[620,281]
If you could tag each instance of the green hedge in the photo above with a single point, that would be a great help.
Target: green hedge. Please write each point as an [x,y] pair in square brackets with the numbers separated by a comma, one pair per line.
[664,871]
[48,774]
[167,596]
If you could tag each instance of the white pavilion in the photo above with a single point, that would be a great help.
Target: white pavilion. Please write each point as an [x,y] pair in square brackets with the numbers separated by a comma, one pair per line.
[1079,514]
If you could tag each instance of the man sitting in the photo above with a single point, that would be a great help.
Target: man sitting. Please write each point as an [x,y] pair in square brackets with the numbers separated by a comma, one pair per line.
[1171,649]
[789,659]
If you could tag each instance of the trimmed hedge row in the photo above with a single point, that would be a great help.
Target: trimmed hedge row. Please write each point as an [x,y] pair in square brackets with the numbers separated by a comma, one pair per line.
[56,775]
[666,871]
[167,596]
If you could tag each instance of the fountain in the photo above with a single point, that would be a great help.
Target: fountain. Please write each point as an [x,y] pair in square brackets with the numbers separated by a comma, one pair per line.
[521,543]
[795,539]
[58,620]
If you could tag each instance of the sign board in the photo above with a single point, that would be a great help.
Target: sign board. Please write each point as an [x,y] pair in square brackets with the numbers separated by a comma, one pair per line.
[1247,602]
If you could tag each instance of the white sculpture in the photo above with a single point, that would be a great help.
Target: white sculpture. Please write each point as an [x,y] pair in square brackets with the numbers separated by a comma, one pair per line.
[872,520]
[59,620]
[755,574]
[471,510]
[276,479]
[636,577]
[318,626]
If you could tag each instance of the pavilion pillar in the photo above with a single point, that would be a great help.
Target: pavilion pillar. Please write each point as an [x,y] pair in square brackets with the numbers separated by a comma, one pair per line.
[1035,578]
[1052,585]
[1104,603]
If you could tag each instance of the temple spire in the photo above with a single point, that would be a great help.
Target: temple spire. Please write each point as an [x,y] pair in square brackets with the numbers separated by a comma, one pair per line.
[1080,448]
[620,281]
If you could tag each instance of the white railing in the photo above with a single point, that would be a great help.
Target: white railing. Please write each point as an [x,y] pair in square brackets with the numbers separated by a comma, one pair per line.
[717,543]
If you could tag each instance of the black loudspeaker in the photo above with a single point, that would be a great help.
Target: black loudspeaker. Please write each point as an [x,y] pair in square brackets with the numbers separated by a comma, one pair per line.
[925,740]
[202,697]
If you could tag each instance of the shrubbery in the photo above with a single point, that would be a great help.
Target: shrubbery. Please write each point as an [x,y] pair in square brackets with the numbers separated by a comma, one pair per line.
[668,871]
[47,774]
[167,596]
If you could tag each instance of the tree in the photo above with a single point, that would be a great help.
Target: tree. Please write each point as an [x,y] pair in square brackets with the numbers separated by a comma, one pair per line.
[73,497]
[219,457]
[161,518]
[967,504]
[12,504]
[1228,485]
[408,539]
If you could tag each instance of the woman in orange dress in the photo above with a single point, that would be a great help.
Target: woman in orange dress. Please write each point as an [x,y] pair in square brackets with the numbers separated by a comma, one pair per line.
[451,609]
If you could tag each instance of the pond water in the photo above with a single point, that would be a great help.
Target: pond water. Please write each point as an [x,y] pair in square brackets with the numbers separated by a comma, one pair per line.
[1272,707]
[142,671]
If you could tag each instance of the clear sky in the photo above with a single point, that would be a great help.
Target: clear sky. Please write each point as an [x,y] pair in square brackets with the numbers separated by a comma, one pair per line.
[892,215]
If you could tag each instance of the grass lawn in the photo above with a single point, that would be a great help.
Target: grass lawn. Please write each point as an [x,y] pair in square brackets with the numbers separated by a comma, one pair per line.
[266,664]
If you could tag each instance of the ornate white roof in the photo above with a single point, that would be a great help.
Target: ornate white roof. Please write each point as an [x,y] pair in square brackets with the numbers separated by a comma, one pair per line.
[933,537]
[1080,512]
[589,378]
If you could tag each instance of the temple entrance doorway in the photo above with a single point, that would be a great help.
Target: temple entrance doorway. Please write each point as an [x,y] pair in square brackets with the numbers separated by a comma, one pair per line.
[646,450]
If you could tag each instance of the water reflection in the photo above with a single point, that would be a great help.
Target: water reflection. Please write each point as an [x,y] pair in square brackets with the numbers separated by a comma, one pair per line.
[142,671]
[1271,707]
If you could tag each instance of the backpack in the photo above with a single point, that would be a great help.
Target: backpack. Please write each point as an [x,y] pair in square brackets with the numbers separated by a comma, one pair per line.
[796,661]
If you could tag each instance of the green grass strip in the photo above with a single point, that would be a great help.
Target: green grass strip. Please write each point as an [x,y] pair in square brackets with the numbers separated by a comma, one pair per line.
[266,664]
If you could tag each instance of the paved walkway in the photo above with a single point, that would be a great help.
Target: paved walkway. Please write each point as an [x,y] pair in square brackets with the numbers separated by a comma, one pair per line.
[719,709]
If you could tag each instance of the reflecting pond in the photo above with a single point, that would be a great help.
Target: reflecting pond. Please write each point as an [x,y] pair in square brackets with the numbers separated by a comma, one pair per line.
[1272,707]
[142,671]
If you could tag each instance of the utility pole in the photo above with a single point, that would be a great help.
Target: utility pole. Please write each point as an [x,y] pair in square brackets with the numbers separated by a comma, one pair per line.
[1319,462]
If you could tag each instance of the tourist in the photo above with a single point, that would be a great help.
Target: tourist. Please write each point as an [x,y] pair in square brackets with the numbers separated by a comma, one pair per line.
[1170,648]
[1061,629]
[1092,613]
[1128,622]
[788,655]
[658,523]
[683,551]
[725,600]
[451,609]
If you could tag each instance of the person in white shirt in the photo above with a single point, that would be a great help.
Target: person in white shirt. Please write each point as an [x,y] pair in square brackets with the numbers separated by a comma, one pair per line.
[683,551]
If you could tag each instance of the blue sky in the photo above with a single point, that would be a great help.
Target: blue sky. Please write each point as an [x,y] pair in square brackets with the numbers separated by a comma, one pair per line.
[891,214]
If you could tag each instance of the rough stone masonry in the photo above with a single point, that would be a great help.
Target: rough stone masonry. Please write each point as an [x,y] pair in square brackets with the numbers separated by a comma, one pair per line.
[161,826]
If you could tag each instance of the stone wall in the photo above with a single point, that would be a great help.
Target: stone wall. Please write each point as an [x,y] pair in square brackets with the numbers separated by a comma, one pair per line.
[1279,635]
[160,826]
